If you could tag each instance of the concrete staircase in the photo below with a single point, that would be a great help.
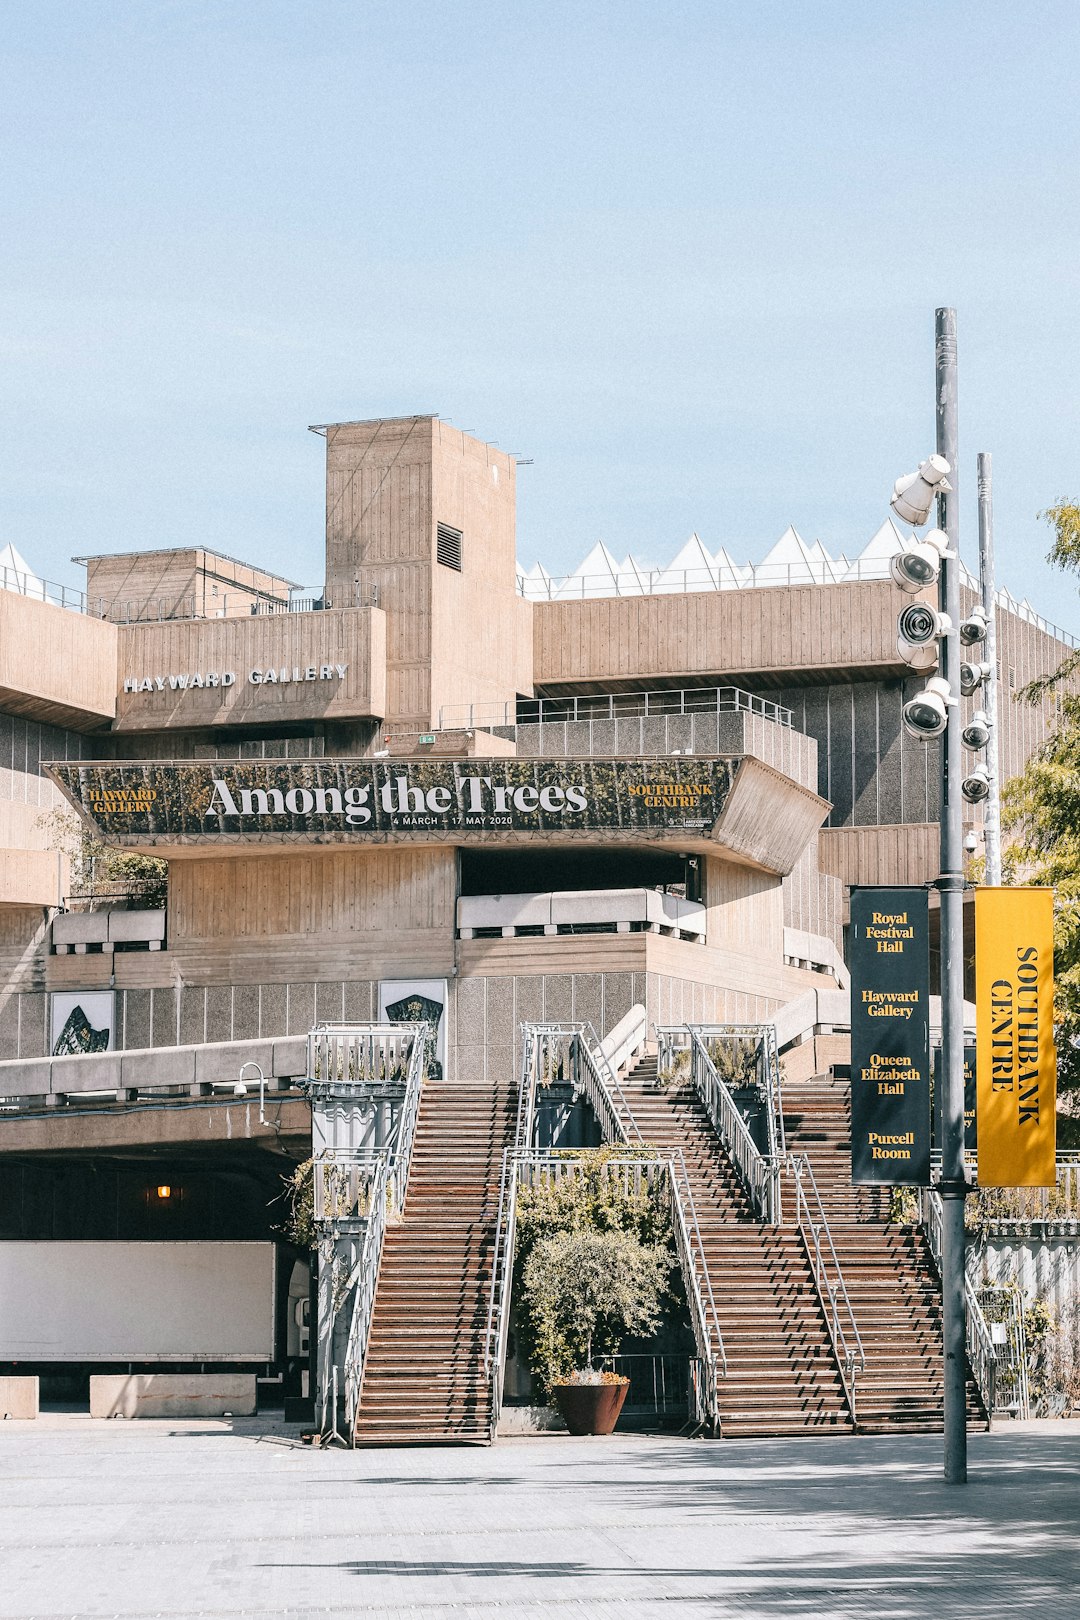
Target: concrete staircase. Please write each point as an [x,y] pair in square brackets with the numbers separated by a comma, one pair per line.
[782,1376]
[424,1379]
[890,1277]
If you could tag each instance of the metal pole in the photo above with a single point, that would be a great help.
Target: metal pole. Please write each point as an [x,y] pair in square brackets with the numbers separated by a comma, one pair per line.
[992,820]
[951,889]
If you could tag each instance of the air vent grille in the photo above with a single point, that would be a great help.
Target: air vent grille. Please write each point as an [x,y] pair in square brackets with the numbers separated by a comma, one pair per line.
[448,547]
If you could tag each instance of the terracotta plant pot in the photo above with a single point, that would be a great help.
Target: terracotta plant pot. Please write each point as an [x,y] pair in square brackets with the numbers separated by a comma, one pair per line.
[590,1408]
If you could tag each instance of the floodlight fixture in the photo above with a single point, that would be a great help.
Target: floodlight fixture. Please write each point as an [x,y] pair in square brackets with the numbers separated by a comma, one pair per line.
[973,628]
[972,676]
[927,714]
[919,564]
[976,787]
[918,630]
[914,495]
[976,734]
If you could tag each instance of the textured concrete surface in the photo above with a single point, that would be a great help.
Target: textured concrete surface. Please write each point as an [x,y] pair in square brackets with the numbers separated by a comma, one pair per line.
[219,1520]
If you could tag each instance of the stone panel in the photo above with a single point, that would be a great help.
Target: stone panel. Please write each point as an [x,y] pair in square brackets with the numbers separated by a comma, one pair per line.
[273,1010]
[192,1015]
[359,1001]
[499,1013]
[219,1012]
[558,998]
[301,1008]
[588,999]
[470,1011]
[329,1003]
[618,998]
[136,1020]
[163,1017]
[245,1012]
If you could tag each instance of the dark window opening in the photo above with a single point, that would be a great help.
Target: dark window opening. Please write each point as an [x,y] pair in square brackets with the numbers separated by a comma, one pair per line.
[547,871]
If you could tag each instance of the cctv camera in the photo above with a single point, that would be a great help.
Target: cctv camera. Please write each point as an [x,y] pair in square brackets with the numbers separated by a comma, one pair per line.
[976,734]
[919,564]
[239,1090]
[915,493]
[971,843]
[976,787]
[972,677]
[926,715]
[973,628]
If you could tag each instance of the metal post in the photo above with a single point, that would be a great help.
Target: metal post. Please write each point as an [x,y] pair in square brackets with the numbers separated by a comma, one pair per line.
[992,818]
[951,889]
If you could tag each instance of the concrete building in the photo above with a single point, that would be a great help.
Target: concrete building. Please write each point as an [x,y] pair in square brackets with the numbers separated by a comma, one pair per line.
[541,762]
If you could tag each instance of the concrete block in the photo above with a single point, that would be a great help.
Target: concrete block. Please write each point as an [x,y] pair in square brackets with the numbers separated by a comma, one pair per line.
[289,1058]
[89,1071]
[19,1397]
[80,928]
[223,1063]
[136,927]
[166,1066]
[26,1079]
[152,1395]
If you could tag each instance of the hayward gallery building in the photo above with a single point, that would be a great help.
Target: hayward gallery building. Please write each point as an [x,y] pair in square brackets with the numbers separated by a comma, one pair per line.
[438,786]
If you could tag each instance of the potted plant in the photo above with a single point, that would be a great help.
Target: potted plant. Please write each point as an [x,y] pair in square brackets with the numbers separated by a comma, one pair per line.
[583,1291]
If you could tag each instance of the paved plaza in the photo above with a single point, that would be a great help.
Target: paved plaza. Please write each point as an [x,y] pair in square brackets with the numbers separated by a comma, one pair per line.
[167,1518]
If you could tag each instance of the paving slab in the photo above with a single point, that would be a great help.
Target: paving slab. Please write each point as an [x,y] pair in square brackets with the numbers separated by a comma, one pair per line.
[170,1519]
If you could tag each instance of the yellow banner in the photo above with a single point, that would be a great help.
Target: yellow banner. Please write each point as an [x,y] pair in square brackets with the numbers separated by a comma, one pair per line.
[1016,1070]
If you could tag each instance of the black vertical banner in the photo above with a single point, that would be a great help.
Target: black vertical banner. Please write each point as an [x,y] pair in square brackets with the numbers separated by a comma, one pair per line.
[890,1037]
[971,1127]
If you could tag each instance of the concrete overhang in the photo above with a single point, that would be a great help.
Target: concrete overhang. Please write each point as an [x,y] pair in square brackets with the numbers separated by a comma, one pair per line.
[739,807]
[56,666]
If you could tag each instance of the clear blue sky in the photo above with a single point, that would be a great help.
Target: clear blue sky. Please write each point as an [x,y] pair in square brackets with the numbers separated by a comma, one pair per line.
[684,255]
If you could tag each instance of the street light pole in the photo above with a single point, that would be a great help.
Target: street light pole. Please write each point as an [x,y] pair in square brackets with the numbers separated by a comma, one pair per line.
[950,886]
[992,821]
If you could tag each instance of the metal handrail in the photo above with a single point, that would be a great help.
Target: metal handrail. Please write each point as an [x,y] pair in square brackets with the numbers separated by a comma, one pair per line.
[365,1187]
[828,1276]
[763,1036]
[364,1280]
[525,1166]
[760,1173]
[658,704]
[982,1358]
[361,1054]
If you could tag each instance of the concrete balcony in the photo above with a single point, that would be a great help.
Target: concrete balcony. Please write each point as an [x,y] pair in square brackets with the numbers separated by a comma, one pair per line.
[614,911]
[84,931]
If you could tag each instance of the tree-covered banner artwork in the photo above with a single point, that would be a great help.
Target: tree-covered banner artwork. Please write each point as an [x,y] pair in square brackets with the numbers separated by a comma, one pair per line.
[380,800]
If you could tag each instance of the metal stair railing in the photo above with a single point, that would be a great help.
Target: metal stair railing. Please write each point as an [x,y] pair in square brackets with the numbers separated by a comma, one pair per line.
[982,1357]
[573,1050]
[365,1187]
[760,1173]
[756,1043]
[828,1276]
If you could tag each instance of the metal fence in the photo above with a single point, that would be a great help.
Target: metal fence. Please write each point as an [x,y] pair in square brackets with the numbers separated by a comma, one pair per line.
[612,706]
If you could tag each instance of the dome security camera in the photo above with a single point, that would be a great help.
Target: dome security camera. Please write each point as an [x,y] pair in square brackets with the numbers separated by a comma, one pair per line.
[973,628]
[918,629]
[972,677]
[915,493]
[927,714]
[976,734]
[976,787]
[971,843]
[240,1089]
[919,564]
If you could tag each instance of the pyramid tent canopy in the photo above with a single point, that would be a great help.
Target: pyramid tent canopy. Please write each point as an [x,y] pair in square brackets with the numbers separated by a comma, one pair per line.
[596,575]
[17,575]
[693,569]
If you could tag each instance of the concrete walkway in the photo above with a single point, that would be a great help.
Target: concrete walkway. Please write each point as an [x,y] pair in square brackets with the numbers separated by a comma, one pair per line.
[220,1520]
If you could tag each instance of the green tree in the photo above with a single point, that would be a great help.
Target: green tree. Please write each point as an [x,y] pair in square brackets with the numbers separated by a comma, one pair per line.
[1041,810]
[100,869]
[585,1291]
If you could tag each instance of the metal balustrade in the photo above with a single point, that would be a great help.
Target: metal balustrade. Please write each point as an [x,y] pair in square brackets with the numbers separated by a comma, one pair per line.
[1059,1205]
[356,1194]
[573,1053]
[828,1277]
[982,1357]
[649,705]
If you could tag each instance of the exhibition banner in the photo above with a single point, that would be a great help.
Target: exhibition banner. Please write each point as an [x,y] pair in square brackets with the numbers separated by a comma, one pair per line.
[890,1036]
[1017,1063]
[971,1128]
[372,800]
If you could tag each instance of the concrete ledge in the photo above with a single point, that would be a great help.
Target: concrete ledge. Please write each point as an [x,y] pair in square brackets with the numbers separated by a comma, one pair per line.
[162,1066]
[151,1395]
[19,1397]
[219,1064]
[290,1057]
